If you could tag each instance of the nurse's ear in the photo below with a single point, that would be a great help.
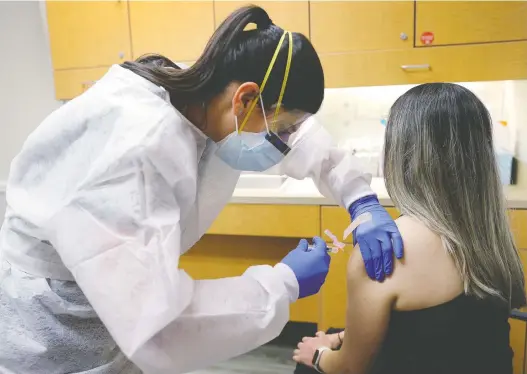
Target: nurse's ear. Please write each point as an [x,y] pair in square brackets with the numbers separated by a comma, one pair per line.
[243,96]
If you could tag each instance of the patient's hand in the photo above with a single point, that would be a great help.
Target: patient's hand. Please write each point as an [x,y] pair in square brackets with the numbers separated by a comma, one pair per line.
[307,347]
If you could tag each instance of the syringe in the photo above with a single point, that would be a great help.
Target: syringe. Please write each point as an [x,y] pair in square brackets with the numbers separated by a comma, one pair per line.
[339,246]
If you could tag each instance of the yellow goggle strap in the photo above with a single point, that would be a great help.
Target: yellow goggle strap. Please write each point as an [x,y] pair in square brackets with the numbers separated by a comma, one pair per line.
[268,73]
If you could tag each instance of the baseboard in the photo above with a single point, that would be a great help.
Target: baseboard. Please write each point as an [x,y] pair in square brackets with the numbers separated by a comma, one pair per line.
[293,333]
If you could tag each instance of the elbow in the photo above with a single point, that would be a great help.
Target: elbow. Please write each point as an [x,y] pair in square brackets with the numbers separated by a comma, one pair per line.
[273,322]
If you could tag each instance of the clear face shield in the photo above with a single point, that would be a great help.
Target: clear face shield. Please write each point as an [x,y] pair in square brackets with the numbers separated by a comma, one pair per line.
[282,124]
[282,128]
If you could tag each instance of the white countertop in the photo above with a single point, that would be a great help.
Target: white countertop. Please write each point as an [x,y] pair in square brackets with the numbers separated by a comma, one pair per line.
[305,193]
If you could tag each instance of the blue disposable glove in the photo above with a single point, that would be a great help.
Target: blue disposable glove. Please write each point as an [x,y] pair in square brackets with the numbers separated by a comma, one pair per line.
[309,265]
[378,239]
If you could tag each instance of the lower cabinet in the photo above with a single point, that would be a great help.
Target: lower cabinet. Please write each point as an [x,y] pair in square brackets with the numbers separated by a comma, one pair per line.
[518,328]
[219,256]
[464,63]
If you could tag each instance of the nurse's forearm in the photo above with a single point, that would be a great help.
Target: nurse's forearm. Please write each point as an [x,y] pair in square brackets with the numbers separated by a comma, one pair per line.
[226,317]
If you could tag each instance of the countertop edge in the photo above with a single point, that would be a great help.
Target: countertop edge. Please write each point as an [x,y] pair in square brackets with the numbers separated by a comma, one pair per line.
[513,202]
[322,201]
[293,200]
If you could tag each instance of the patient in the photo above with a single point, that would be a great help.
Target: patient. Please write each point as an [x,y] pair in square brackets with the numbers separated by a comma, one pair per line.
[445,308]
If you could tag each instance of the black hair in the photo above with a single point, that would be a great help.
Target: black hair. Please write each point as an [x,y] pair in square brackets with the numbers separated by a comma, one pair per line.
[234,54]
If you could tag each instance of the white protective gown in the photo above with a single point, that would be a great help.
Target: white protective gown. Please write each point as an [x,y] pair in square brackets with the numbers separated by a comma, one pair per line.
[104,198]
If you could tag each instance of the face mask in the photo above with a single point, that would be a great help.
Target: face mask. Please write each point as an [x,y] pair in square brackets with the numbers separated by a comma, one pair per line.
[247,151]
[258,151]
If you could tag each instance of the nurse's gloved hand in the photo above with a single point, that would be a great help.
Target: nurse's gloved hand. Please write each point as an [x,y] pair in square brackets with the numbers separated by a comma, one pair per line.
[309,265]
[378,239]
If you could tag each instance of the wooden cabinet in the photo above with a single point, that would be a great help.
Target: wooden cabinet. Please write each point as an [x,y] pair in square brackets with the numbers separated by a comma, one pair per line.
[218,256]
[468,22]
[517,332]
[290,15]
[360,43]
[285,221]
[345,26]
[464,63]
[518,222]
[372,43]
[73,82]
[178,30]
[88,34]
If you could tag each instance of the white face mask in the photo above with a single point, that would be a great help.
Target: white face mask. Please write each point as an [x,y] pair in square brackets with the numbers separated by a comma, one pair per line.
[249,151]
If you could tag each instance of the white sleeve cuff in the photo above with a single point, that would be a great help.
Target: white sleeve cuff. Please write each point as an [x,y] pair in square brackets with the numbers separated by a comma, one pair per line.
[289,279]
[361,188]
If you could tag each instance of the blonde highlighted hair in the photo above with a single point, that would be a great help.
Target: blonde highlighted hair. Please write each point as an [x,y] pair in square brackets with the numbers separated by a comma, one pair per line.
[440,167]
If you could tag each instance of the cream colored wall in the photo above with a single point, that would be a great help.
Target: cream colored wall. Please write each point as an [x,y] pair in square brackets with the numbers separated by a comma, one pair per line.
[355,113]
[26,89]
[2,206]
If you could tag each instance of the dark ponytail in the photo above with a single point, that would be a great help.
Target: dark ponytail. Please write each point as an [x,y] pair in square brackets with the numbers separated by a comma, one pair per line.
[233,54]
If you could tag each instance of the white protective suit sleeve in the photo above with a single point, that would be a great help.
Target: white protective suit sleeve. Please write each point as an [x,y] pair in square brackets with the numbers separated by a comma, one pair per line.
[336,172]
[119,235]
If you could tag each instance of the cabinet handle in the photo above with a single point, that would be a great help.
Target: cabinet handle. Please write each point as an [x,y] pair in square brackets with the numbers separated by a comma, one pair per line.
[87,84]
[416,67]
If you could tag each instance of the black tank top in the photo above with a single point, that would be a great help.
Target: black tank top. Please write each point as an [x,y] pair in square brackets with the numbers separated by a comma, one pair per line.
[462,336]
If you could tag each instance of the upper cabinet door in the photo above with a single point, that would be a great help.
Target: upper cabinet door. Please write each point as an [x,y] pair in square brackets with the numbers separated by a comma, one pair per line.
[88,33]
[345,26]
[289,15]
[468,22]
[178,30]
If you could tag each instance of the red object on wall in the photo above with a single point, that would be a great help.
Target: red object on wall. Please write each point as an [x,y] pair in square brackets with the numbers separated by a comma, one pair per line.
[427,37]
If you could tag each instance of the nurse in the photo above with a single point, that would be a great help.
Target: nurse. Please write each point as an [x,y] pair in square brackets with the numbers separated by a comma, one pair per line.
[113,187]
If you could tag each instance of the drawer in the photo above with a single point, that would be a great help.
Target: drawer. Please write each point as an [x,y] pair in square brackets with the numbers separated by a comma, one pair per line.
[338,219]
[285,221]
[518,221]
[517,343]
[72,83]
[517,331]
[482,62]
[220,256]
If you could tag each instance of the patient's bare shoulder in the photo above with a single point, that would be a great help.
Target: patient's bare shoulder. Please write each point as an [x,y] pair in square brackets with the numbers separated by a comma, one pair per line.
[426,276]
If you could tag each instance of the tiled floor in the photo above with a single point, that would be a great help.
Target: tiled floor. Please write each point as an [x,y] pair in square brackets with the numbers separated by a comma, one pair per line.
[268,359]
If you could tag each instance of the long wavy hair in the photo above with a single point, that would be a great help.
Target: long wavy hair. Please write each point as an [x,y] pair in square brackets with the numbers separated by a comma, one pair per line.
[440,167]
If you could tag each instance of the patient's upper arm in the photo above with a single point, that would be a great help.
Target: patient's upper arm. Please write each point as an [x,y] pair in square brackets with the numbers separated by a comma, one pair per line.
[368,315]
